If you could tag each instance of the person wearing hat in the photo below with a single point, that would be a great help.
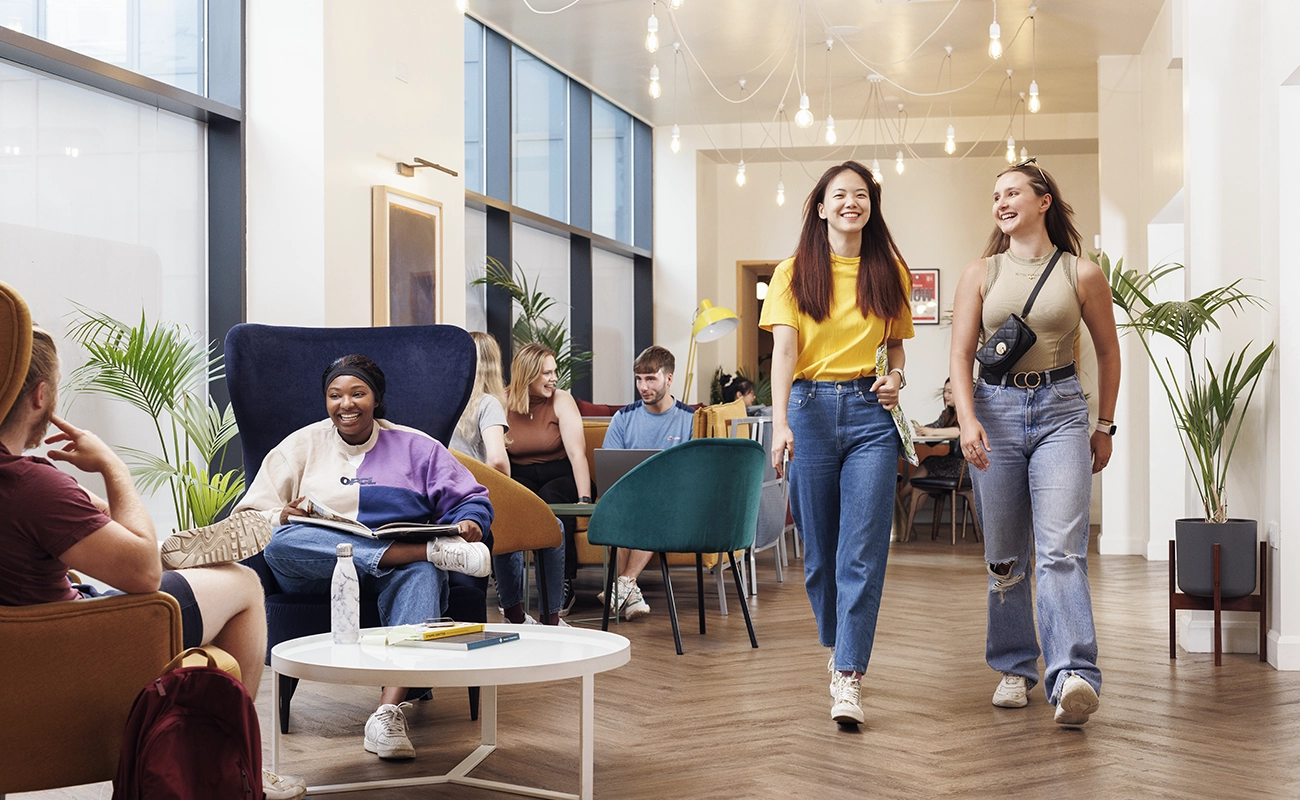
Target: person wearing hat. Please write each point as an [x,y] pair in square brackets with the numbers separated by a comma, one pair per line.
[51,524]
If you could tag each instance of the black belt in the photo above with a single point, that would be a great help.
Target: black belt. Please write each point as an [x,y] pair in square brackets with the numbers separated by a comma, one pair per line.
[1029,380]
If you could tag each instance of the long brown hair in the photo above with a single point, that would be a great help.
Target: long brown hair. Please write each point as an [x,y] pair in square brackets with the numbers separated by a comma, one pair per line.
[487,380]
[880,286]
[1059,218]
[527,366]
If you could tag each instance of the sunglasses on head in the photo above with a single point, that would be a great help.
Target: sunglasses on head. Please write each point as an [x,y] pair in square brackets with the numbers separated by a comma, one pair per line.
[1031,160]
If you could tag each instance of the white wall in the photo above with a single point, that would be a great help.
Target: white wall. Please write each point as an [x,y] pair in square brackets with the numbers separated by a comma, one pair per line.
[338,93]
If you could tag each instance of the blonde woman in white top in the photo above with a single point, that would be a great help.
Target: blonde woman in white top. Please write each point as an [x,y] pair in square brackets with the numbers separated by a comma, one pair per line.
[1027,436]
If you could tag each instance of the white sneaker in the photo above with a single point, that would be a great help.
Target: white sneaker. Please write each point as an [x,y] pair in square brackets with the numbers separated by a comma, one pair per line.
[634,604]
[234,538]
[1011,692]
[830,667]
[847,709]
[282,787]
[386,733]
[1078,701]
[454,554]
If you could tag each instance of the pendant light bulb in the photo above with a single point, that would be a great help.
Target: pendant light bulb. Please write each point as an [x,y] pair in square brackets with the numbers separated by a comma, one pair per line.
[462,6]
[898,162]
[655,88]
[676,4]
[1024,154]
[1011,150]
[1034,105]
[676,145]
[803,117]
[740,174]
[950,146]
[652,33]
[875,171]
[831,138]
[780,197]
[995,41]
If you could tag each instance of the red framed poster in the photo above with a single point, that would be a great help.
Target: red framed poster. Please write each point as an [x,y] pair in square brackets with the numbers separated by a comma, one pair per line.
[925,297]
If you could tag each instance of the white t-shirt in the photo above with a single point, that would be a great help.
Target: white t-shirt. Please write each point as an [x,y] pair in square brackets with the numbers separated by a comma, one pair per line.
[490,412]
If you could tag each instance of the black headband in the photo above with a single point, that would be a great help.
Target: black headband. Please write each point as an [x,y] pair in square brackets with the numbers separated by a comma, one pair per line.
[356,373]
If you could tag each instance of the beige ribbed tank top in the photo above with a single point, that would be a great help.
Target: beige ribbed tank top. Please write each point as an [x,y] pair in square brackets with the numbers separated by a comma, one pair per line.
[1008,280]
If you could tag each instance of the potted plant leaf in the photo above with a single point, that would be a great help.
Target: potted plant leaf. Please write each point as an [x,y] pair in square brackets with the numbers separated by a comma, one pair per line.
[1209,404]
[162,369]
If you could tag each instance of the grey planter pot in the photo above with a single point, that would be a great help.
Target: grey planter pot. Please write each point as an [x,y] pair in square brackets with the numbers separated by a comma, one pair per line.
[1238,549]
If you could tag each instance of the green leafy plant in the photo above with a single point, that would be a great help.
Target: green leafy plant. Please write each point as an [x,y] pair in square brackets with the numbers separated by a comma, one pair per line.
[533,324]
[1208,403]
[160,369]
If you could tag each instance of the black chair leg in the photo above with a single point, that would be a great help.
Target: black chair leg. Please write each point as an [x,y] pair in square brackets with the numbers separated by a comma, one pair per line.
[672,604]
[287,687]
[542,608]
[473,703]
[699,586]
[740,592]
[611,568]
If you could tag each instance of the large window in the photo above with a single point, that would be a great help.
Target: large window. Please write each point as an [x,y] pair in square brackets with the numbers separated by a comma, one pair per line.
[474,106]
[161,39]
[611,170]
[612,309]
[540,126]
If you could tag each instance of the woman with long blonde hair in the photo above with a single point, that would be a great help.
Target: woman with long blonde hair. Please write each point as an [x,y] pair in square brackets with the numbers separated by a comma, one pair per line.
[548,451]
[481,432]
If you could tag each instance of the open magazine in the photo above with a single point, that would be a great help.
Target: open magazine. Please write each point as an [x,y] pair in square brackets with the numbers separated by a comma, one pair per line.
[321,514]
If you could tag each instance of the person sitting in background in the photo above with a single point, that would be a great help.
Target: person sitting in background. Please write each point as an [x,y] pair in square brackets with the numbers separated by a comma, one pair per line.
[740,387]
[548,450]
[51,524]
[655,422]
[481,434]
[944,466]
[362,466]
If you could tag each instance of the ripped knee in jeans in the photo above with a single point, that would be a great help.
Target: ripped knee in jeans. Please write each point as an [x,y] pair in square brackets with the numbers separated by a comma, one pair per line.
[1002,577]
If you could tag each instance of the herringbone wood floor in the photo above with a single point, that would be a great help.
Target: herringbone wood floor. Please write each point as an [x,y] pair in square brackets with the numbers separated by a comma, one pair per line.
[727,721]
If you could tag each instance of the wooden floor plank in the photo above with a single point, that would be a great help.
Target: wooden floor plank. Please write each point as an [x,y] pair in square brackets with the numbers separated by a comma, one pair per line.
[725,720]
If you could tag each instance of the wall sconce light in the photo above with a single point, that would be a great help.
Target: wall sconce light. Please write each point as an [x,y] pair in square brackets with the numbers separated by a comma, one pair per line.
[408,170]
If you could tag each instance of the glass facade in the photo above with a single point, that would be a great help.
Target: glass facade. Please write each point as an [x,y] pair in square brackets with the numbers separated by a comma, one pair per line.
[540,136]
[160,39]
[474,106]
[611,170]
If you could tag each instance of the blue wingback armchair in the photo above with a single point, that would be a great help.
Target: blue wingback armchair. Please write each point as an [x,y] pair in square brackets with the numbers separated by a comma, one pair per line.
[274,375]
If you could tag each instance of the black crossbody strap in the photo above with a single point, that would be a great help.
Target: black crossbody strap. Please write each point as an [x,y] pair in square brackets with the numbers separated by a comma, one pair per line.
[1043,279]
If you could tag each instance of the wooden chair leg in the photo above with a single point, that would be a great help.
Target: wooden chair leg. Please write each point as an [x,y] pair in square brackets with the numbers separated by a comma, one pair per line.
[699,586]
[938,514]
[1218,612]
[1173,613]
[611,568]
[672,604]
[954,518]
[744,604]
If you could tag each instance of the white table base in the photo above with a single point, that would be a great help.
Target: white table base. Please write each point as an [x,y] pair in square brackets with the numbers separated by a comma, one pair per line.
[460,773]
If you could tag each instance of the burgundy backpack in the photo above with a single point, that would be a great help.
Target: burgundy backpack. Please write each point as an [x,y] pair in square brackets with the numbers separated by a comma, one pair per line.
[191,735]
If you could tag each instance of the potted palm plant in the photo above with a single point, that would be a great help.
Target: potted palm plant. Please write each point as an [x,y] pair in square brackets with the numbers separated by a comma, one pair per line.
[162,370]
[1209,404]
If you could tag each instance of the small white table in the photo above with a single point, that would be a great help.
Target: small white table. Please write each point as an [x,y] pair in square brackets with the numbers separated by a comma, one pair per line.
[543,653]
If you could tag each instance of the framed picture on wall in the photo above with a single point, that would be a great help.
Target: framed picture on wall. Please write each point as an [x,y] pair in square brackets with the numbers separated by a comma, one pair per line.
[925,297]
[406,264]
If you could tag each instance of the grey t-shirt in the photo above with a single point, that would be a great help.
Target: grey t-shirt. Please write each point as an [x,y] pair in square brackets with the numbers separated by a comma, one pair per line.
[636,427]
[490,412]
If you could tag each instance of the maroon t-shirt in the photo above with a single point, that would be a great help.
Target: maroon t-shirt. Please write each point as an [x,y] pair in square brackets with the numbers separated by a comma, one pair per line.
[43,512]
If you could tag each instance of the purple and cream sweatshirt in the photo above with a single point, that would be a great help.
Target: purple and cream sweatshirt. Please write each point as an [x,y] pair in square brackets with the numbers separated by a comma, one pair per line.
[399,474]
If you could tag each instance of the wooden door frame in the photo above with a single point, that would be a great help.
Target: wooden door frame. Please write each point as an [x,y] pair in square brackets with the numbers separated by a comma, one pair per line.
[747,274]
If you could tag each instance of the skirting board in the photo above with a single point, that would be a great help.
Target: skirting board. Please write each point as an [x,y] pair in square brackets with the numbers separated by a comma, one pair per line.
[1240,631]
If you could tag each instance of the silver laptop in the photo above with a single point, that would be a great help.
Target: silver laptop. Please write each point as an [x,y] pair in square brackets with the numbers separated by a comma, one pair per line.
[614,464]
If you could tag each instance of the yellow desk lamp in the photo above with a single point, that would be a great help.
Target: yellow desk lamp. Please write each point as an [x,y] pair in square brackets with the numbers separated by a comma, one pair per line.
[711,323]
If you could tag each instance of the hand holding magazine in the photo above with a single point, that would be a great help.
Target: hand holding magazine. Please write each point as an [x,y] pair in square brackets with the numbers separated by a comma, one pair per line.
[320,514]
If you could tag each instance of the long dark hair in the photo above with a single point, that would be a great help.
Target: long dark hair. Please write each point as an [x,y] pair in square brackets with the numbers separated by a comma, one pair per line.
[947,417]
[1059,218]
[880,286]
[734,386]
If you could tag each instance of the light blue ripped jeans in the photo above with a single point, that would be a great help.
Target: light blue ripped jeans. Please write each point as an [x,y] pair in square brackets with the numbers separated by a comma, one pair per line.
[1034,500]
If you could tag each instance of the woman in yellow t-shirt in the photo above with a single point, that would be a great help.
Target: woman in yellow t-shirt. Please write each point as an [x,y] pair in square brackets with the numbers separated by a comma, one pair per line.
[829,308]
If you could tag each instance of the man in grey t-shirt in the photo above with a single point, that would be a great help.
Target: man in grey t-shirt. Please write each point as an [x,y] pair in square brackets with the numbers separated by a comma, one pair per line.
[655,422]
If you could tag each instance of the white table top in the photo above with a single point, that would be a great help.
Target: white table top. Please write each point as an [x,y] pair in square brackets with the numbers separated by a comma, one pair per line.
[543,653]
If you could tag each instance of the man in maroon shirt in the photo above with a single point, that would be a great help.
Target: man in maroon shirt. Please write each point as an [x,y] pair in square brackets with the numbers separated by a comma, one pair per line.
[50,524]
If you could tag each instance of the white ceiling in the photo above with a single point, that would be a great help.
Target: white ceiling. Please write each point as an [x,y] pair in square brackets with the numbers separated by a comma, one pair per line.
[601,42]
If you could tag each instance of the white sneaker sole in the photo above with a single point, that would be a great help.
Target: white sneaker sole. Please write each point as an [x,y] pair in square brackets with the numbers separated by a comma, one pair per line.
[233,539]
[636,610]
[391,753]
[1077,703]
[847,714]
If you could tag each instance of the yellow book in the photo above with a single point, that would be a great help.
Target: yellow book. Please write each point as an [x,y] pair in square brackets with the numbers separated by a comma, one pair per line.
[456,629]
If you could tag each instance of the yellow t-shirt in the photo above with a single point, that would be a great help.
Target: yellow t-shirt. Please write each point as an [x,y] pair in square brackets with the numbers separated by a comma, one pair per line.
[842,346]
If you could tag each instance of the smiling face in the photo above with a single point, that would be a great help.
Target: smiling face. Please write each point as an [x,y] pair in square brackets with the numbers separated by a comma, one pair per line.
[846,206]
[351,407]
[1016,208]
[544,384]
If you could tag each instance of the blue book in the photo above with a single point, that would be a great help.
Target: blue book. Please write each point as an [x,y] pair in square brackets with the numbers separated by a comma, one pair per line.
[470,641]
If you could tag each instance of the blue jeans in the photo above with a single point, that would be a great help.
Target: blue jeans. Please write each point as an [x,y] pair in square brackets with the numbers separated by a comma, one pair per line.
[1034,500]
[842,497]
[303,558]
[510,576]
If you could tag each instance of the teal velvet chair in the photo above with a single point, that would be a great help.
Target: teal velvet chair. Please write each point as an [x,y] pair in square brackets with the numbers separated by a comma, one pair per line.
[710,489]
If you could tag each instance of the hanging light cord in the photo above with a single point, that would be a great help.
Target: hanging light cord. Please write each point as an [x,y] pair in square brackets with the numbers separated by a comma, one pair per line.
[556,11]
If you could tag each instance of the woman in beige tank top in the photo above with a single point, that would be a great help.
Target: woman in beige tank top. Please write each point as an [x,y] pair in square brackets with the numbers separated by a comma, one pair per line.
[1027,436]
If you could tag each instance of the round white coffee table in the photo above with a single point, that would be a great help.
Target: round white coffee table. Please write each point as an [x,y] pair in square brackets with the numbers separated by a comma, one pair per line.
[543,653]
